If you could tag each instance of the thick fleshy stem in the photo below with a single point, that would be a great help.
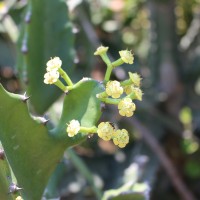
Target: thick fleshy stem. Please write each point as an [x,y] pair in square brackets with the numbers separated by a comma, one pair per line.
[65,76]
[59,84]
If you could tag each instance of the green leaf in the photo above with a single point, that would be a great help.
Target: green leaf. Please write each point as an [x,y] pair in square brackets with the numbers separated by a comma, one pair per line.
[46,34]
[32,150]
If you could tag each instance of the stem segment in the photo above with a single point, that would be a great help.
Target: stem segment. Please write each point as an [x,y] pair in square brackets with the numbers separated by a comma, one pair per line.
[88,130]
[65,76]
[59,84]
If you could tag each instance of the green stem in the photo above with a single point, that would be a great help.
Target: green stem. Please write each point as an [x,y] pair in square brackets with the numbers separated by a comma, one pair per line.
[65,76]
[111,66]
[105,58]
[110,101]
[108,73]
[126,82]
[88,130]
[102,95]
[131,95]
[59,84]
[117,63]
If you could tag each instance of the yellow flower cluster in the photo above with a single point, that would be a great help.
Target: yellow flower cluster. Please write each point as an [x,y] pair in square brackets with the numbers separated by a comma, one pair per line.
[73,128]
[52,73]
[107,132]
[126,107]
[122,138]
[114,89]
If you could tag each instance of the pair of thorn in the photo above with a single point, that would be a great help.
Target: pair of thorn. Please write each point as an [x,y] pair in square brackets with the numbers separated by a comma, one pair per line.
[25,98]
[13,188]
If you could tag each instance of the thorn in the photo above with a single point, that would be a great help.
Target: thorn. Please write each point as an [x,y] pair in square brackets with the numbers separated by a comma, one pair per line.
[66,93]
[45,122]
[103,106]
[27,18]
[24,47]
[113,124]
[41,120]
[13,188]
[90,135]
[101,82]
[2,154]
[25,98]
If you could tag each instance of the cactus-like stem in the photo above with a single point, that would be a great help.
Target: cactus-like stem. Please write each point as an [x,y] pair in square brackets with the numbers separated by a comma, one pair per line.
[44,145]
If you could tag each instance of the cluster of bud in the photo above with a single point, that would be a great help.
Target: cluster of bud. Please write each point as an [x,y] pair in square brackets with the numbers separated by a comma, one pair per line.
[115,89]
[52,74]
[105,131]
[121,94]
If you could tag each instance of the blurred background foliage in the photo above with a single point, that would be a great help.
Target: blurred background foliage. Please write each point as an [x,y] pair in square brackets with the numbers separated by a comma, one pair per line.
[162,160]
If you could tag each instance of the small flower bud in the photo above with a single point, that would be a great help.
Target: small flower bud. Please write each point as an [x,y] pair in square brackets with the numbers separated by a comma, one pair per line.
[54,64]
[137,92]
[101,50]
[126,56]
[51,77]
[135,78]
[105,131]
[121,138]
[126,107]
[73,128]
[114,89]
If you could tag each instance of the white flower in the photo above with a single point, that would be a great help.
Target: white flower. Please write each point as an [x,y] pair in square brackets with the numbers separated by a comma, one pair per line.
[54,64]
[73,128]
[51,77]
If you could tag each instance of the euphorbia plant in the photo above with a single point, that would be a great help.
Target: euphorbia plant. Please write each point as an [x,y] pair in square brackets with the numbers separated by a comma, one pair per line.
[33,148]
[112,94]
